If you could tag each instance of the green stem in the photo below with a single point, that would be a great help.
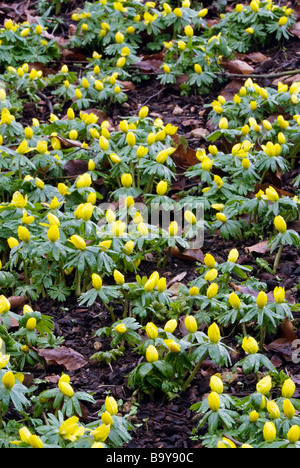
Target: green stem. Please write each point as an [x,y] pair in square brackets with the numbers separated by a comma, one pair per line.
[262,337]
[78,283]
[277,259]
[193,374]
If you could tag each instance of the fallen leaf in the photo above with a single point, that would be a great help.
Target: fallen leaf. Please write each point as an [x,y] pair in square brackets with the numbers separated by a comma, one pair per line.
[189,254]
[68,358]
[238,67]
[75,167]
[17,301]
[260,247]
[177,278]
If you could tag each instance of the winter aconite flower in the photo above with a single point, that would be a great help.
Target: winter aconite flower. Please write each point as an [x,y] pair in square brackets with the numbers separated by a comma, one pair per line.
[288,388]
[250,345]
[213,333]
[264,385]
[269,432]
[151,354]
[214,402]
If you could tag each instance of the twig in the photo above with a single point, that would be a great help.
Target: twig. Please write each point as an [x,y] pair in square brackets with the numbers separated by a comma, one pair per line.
[256,75]
[153,96]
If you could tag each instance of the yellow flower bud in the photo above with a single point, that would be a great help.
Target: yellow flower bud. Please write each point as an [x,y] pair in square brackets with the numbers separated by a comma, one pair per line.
[262,300]
[23,234]
[293,434]
[234,301]
[96,281]
[111,405]
[8,380]
[280,224]
[152,354]
[288,409]
[170,326]
[216,384]
[191,324]
[213,333]
[121,328]
[119,278]
[250,345]
[31,324]
[269,432]
[212,291]
[194,291]
[151,331]
[264,385]
[126,180]
[78,242]
[288,388]
[214,402]
[273,410]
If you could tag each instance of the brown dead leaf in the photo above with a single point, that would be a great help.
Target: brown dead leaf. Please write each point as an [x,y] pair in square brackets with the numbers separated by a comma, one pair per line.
[151,63]
[75,167]
[238,67]
[127,86]
[17,301]
[68,358]
[287,330]
[189,254]
[260,247]
[183,156]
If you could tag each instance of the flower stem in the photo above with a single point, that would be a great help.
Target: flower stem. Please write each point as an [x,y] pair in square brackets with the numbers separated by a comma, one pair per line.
[193,374]
[276,262]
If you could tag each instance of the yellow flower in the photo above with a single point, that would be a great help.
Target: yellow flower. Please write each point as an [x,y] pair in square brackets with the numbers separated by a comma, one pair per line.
[213,333]
[262,300]
[18,201]
[293,434]
[191,324]
[288,409]
[221,217]
[279,295]
[212,290]
[23,234]
[273,409]
[35,441]
[162,188]
[234,301]
[111,405]
[119,278]
[264,385]
[96,281]
[190,217]
[209,261]
[173,228]
[101,433]
[65,388]
[194,291]
[172,345]
[31,324]
[170,326]
[250,345]
[12,242]
[216,384]
[70,430]
[53,233]
[214,402]
[151,331]
[211,275]
[280,224]
[151,354]
[288,388]
[269,432]
[121,328]
[78,242]
[253,416]
[8,380]
[126,180]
